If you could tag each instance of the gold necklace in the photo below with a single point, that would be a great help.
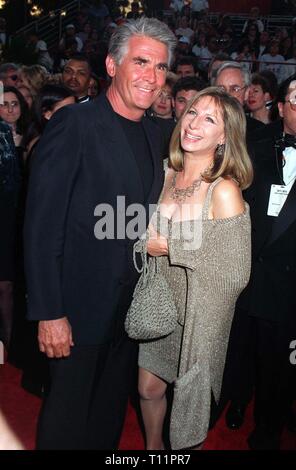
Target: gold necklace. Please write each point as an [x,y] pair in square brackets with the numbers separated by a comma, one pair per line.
[180,195]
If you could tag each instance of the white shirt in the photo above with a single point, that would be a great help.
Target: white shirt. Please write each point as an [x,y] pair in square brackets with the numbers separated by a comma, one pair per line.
[188,32]
[204,56]
[259,23]
[199,5]
[3,38]
[276,68]
[289,68]
[289,168]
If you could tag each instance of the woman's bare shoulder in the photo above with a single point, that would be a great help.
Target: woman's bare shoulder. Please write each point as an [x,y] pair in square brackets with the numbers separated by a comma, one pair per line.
[227,200]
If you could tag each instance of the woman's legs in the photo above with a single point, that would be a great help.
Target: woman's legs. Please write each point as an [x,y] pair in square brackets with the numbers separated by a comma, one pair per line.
[153,402]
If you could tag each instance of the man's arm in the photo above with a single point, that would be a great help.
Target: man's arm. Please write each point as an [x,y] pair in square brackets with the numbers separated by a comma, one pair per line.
[54,171]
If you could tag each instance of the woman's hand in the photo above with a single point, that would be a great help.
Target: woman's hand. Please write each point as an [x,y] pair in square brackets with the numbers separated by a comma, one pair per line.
[157,245]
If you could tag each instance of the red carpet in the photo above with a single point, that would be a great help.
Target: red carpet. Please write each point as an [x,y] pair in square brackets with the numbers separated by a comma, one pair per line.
[21,409]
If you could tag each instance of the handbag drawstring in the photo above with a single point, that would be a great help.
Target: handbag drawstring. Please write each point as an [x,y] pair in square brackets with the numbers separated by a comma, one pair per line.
[140,247]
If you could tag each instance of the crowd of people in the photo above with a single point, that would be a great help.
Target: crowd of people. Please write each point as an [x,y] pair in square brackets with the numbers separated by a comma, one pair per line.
[120,103]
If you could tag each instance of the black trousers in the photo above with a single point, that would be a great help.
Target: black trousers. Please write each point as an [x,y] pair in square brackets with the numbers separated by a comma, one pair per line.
[275,374]
[86,404]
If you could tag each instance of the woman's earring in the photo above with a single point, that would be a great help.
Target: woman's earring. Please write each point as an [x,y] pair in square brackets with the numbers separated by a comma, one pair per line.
[220,149]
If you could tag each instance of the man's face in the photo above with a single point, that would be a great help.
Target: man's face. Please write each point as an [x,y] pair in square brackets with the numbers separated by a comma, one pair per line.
[138,79]
[76,76]
[181,101]
[288,111]
[185,71]
[233,82]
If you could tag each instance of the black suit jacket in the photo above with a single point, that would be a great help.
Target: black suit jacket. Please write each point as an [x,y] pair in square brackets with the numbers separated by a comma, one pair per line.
[271,292]
[82,160]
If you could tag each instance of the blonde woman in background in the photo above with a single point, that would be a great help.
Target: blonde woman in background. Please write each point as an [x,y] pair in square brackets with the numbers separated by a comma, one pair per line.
[33,77]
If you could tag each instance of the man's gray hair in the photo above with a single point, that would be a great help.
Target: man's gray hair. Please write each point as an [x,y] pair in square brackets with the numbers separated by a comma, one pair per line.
[4,68]
[149,27]
[233,65]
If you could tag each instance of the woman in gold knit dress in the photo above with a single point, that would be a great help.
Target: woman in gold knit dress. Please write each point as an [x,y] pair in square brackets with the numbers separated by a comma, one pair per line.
[200,235]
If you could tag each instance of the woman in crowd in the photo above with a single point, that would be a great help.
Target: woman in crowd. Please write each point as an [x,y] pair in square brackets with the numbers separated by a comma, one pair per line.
[34,77]
[260,98]
[200,235]
[244,55]
[162,111]
[9,187]
[14,111]
[94,86]
[162,106]
[50,99]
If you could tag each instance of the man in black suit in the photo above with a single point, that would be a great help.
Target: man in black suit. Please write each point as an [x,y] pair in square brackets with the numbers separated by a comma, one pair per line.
[92,160]
[268,304]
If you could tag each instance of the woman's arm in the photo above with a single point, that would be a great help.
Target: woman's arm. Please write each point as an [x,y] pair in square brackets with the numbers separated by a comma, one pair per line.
[157,245]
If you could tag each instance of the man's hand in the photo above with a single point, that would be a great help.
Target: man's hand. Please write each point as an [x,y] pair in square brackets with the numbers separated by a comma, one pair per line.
[55,337]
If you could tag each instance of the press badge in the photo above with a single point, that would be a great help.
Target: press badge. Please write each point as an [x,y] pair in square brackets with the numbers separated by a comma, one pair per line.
[277,198]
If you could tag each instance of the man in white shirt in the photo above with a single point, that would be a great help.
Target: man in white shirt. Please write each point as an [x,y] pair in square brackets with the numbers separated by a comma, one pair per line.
[273,61]
[184,29]
[290,66]
[71,33]
[254,18]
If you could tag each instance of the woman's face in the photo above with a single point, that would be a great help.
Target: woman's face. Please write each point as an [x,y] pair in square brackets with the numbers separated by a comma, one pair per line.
[202,128]
[93,89]
[10,110]
[257,98]
[162,106]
